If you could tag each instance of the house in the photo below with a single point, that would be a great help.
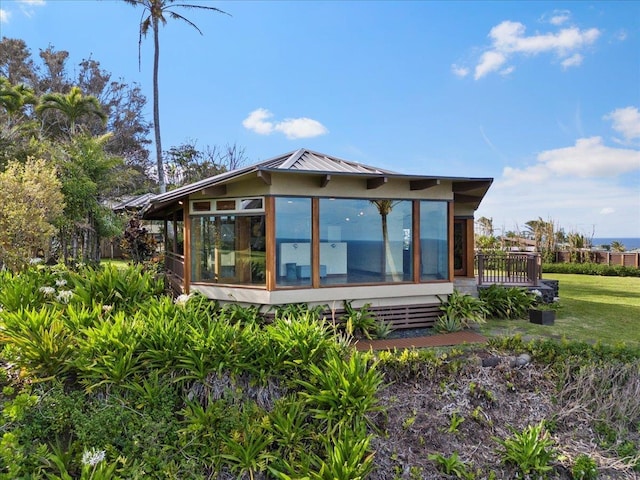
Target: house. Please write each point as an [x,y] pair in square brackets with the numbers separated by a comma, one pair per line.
[305,227]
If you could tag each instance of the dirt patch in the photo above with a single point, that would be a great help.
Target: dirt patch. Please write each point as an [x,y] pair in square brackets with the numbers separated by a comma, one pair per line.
[463,407]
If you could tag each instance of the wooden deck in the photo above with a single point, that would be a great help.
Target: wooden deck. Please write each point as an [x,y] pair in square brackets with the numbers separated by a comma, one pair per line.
[443,340]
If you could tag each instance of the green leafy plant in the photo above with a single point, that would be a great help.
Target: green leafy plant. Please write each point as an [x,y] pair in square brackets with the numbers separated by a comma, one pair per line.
[459,311]
[41,340]
[507,302]
[530,451]
[342,391]
[347,456]
[359,322]
[451,465]
[247,451]
[455,422]
[584,468]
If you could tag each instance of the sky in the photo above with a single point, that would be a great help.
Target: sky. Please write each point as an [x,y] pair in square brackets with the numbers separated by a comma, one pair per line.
[543,97]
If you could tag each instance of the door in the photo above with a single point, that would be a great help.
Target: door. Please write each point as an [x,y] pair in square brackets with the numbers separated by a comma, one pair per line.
[460,248]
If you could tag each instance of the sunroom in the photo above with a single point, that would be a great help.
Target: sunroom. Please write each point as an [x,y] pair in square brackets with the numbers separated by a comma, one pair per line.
[305,227]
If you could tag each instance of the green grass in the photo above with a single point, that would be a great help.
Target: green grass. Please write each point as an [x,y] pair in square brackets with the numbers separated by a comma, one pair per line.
[121,264]
[593,308]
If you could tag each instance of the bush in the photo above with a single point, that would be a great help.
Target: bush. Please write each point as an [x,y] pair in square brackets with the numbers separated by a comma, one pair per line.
[503,302]
[459,311]
[530,451]
[591,269]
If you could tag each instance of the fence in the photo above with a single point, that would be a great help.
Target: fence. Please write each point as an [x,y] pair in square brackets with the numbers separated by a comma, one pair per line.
[510,268]
[625,259]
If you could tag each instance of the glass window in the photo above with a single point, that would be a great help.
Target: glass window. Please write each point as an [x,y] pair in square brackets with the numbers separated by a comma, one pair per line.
[365,241]
[293,241]
[434,248]
[228,249]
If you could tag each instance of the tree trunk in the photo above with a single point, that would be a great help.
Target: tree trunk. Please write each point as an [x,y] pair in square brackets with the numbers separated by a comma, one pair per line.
[156,107]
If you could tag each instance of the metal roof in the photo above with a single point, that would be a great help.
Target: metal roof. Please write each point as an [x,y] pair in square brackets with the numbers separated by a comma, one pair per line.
[304,161]
[133,203]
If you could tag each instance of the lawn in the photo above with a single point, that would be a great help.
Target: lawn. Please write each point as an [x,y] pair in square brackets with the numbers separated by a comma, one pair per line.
[593,308]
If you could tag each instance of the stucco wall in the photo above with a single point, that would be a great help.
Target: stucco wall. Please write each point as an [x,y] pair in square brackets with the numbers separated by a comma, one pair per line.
[376,295]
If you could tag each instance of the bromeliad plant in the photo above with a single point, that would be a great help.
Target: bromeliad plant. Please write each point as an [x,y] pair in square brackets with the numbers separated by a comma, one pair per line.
[507,302]
[342,391]
[459,312]
[530,451]
[359,322]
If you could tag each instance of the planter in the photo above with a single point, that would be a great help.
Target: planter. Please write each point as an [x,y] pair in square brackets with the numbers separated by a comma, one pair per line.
[542,317]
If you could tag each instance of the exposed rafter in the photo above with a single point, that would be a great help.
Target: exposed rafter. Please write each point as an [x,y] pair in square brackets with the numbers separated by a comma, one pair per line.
[265,177]
[376,182]
[423,184]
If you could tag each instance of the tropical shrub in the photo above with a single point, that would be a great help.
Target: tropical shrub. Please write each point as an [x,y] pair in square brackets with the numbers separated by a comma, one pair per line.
[584,468]
[459,311]
[359,322]
[506,302]
[148,386]
[530,451]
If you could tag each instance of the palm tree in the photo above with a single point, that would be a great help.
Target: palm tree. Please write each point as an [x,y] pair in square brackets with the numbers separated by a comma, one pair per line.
[14,98]
[154,13]
[73,106]
[617,246]
[384,209]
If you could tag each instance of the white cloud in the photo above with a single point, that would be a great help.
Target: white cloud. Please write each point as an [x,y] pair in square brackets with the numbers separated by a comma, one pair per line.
[574,60]
[4,16]
[579,187]
[256,121]
[303,127]
[509,39]
[588,158]
[489,62]
[459,71]
[583,205]
[293,128]
[626,121]
[559,17]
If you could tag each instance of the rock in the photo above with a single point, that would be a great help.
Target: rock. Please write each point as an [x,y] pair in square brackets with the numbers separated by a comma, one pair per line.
[522,360]
[490,361]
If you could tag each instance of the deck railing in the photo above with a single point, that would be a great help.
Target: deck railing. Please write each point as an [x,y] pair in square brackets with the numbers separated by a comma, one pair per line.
[509,268]
[174,264]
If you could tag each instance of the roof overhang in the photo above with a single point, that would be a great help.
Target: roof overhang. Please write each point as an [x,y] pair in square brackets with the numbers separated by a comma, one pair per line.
[468,191]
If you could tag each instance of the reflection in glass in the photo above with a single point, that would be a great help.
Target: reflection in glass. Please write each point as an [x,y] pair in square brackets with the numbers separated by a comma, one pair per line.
[365,241]
[434,250]
[293,241]
[228,249]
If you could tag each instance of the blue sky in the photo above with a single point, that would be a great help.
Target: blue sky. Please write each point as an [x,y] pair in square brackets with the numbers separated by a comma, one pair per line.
[542,96]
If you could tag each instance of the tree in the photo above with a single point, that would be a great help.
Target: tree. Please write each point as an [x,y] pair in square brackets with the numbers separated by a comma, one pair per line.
[16,128]
[122,102]
[485,226]
[73,106]
[616,246]
[32,203]
[86,171]
[186,164]
[384,209]
[155,13]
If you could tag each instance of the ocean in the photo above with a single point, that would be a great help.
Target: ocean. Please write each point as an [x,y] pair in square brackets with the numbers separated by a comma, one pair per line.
[629,243]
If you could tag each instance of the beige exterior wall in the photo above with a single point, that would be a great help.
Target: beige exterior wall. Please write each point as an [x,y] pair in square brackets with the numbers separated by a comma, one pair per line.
[463,210]
[338,186]
[376,295]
